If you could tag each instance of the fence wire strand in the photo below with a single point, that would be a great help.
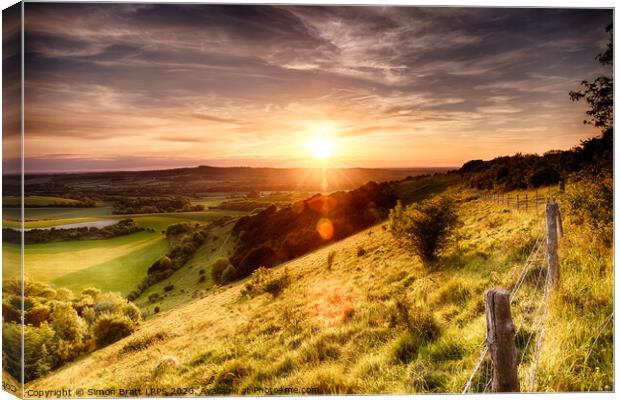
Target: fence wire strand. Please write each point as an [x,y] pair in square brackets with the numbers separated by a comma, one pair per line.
[531,308]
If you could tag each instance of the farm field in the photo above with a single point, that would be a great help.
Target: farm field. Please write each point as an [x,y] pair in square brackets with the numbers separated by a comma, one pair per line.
[113,264]
[41,201]
[45,214]
[117,264]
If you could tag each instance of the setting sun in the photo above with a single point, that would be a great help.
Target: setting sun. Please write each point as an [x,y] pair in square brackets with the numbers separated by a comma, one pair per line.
[322,148]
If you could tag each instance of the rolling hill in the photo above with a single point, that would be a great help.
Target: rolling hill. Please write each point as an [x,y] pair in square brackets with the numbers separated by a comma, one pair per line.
[342,328]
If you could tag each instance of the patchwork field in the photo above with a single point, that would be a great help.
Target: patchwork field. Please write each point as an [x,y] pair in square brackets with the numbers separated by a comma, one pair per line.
[117,264]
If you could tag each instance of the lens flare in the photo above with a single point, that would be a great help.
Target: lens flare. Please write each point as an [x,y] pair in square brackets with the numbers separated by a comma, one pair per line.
[325,229]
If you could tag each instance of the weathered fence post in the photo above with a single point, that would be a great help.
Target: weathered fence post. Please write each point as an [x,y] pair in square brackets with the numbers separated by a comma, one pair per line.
[517,201]
[559,222]
[552,242]
[501,341]
[526,201]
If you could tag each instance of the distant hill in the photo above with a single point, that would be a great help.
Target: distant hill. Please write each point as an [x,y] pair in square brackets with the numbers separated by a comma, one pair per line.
[207,179]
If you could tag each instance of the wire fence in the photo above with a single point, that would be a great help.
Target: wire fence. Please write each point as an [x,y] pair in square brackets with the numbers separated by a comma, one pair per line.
[525,201]
[532,285]
[529,299]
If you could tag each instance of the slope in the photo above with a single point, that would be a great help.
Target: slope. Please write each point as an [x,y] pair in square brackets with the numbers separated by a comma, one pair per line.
[338,329]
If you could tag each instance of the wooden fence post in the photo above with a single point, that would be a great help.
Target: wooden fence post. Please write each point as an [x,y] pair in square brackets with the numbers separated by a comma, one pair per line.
[526,201]
[501,341]
[559,223]
[552,242]
[517,201]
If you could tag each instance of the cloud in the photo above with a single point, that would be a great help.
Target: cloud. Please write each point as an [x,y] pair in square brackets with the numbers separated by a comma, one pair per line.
[186,82]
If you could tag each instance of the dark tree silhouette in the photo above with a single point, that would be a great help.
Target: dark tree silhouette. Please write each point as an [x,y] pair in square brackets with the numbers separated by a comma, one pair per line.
[600,92]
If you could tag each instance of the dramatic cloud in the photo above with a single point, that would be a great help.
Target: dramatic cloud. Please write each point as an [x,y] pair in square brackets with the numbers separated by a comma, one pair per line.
[117,86]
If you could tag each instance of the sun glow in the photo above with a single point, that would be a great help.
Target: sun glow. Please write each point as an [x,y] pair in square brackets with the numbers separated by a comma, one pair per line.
[322,148]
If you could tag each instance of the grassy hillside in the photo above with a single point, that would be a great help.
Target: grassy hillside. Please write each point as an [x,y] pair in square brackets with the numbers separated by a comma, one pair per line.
[187,283]
[348,328]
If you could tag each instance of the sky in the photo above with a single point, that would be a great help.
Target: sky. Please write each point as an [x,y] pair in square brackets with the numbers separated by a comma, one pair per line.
[120,86]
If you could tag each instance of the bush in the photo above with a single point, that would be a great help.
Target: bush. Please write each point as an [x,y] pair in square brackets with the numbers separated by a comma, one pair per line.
[177,229]
[361,251]
[590,203]
[424,226]
[109,329]
[264,280]
[60,327]
[143,342]
[168,288]
[229,274]
[217,269]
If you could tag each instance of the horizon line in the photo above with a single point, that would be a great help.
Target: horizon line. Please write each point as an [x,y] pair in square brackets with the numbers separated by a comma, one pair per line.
[95,171]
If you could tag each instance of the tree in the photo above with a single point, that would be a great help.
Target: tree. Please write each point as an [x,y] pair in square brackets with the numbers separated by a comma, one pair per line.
[599,93]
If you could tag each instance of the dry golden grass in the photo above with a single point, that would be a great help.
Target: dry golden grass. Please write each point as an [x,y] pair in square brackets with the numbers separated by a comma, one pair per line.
[340,329]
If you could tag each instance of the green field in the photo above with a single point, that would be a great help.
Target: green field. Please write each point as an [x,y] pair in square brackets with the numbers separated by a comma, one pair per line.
[53,213]
[117,264]
[120,274]
[40,201]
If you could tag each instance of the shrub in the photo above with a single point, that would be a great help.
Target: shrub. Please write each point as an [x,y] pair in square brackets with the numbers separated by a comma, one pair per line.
[156,310]
[218,268]
[177,229]
[589,202]
[153,297]
[168,288]
[424,226]
[361,251]
[229,274]
[202,278]
[109,329]
[143,342]
[264,280]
